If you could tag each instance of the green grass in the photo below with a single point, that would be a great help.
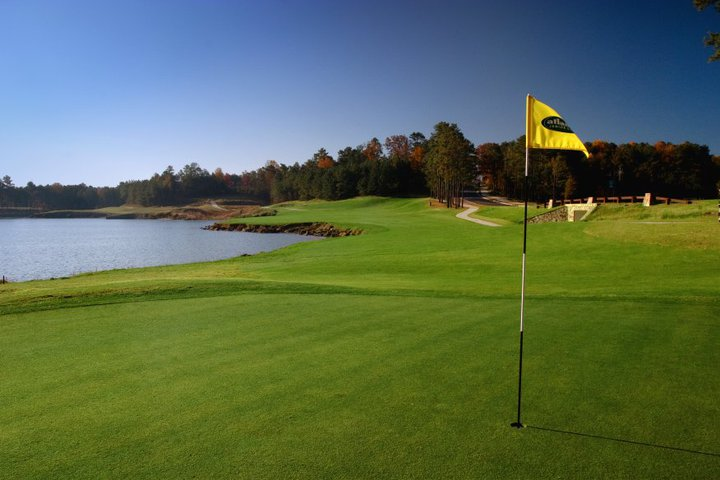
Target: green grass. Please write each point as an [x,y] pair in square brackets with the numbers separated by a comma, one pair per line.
[693,226]
[388,355]
[699,211]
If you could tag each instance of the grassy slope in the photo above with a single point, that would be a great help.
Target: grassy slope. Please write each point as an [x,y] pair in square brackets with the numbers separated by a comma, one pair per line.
[388,355]
[692,226]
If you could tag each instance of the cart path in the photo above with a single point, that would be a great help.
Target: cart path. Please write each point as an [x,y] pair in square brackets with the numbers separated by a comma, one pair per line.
[472,208]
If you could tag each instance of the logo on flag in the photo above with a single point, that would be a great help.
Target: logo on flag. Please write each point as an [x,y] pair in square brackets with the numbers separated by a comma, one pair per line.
[557,124]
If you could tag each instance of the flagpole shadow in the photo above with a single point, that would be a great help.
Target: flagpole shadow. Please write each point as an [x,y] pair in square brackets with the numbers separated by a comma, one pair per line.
[622,440]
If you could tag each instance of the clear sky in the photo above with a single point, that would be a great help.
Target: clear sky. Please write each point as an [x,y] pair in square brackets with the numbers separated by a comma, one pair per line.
[104,91]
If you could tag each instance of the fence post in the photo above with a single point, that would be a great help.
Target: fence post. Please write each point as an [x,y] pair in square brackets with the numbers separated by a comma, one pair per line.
[647,201]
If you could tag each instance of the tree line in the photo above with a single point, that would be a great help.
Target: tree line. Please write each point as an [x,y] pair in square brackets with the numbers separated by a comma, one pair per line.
[363,170]
[410,165]
[684,170]
[56,196]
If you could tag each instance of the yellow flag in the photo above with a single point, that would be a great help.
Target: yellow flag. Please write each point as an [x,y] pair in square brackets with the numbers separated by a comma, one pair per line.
[546,129]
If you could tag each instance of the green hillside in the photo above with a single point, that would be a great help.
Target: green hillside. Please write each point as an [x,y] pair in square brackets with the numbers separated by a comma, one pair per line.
[392,354]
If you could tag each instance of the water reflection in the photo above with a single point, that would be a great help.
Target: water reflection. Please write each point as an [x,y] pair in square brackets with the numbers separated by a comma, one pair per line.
[51,248]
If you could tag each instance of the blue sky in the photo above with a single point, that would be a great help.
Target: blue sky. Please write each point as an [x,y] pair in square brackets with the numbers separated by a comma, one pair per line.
[105,91]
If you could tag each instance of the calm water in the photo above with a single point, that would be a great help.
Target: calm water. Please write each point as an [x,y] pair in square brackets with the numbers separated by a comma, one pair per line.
[49,248]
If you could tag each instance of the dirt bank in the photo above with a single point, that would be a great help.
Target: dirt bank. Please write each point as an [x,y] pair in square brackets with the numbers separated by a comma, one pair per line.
[315,229]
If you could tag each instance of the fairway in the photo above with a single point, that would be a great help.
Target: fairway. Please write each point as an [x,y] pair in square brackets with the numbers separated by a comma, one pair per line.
[392,354]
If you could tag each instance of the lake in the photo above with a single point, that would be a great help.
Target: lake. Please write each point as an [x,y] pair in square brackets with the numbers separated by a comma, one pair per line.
[51,248]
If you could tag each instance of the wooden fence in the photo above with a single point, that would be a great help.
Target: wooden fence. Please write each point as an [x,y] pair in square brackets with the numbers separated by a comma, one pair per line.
[621,199]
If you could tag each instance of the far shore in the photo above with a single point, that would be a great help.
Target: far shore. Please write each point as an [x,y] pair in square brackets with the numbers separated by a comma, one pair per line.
[203,211]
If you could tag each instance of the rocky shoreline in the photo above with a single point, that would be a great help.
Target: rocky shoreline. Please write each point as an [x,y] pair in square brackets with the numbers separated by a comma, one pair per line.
[316,229]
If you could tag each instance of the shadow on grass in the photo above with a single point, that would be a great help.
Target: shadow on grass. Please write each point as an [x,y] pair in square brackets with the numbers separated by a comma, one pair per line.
[622,440]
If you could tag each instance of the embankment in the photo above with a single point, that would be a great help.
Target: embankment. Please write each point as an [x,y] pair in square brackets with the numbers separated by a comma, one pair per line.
[310,228]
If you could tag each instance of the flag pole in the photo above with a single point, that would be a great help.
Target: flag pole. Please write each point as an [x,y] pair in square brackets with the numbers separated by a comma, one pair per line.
[518,423]
[550,133]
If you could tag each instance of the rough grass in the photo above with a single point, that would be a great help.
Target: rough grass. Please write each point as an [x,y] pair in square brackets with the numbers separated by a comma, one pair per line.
[698,211]
[693,226]
[388,355]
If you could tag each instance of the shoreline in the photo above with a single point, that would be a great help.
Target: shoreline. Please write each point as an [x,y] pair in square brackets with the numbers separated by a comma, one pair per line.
[147,213]
[316,229]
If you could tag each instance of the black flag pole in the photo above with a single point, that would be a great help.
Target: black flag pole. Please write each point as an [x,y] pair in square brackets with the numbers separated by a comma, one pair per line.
[518,423]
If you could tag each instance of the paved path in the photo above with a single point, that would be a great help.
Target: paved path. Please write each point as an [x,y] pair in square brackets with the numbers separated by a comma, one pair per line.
[472,208]
[485,198]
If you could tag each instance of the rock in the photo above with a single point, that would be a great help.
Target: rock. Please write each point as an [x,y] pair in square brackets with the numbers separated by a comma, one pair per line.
[557,215]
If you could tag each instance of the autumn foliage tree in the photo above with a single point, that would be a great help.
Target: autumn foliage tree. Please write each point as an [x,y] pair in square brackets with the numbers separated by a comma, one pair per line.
[418,146]
[405,155]
[373,150]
